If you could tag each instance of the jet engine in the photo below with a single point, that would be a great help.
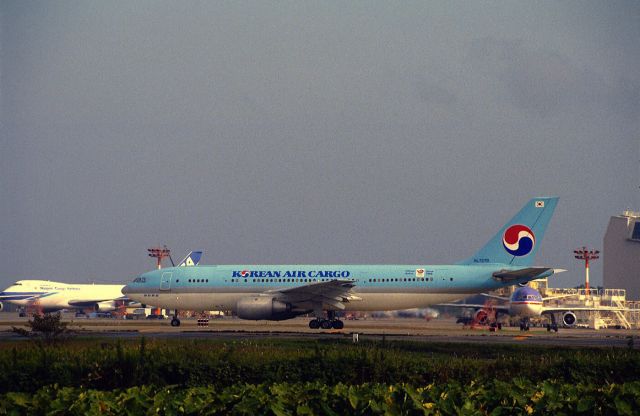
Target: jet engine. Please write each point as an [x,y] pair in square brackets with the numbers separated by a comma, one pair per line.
[481,317]
[106,306]
[569,319]
[263,307]
[1,306]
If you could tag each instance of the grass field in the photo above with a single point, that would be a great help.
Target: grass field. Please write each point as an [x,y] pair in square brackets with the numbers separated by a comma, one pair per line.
[105,376]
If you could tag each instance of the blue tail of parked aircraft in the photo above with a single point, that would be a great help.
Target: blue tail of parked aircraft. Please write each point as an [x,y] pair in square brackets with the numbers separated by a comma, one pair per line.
[192,259]
[518,241]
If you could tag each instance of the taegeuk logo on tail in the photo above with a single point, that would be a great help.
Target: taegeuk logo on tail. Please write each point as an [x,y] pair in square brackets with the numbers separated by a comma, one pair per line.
[518,240]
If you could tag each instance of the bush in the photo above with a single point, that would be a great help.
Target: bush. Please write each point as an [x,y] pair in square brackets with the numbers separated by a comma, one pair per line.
[106,365]
[48,328]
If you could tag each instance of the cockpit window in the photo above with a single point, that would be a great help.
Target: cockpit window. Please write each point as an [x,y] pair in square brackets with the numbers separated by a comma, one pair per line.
[17,284]
[139,280]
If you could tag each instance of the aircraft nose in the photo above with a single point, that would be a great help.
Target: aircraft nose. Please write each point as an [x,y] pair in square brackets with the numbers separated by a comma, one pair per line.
[126,290]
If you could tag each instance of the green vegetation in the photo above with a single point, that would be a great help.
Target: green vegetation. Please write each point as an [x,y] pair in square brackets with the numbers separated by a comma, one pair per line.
[496,398]
[314,377]
[47,328]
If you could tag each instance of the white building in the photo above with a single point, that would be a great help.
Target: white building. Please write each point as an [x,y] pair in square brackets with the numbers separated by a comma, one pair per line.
[621,254]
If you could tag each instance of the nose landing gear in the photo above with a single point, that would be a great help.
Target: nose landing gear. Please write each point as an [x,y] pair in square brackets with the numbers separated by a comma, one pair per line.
[175,321]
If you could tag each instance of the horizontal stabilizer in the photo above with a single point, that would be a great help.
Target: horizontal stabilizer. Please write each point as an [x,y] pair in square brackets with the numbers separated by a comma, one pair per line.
[527,272]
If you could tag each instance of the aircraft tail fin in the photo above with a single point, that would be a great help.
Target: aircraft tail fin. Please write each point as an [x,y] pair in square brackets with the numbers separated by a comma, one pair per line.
[518,240]
[192,259]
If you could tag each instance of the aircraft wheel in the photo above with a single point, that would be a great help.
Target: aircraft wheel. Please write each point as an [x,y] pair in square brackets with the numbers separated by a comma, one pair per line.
[548,328]
[337,324]
[175,322]
[499,326]
[314,324]
[325,324]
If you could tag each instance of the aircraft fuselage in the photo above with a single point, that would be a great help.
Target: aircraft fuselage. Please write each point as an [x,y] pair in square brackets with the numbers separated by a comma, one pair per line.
[385,287]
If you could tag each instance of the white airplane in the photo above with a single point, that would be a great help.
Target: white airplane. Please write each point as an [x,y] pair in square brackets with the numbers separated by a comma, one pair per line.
[54,296]
[526,303]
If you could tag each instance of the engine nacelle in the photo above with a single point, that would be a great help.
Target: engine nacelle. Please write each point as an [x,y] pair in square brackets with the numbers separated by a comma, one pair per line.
[263,307]
[481,317]
[569,319]
[1,306]
[106,306]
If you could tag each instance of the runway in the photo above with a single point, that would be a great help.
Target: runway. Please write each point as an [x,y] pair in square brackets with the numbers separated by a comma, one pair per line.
[439,330]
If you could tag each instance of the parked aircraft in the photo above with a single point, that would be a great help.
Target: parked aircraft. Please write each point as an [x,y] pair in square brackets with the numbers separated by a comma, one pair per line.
[53,296]
[422,313]
[278,292]
[526,303]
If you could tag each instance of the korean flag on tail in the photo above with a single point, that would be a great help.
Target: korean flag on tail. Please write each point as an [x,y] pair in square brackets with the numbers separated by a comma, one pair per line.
[539,204]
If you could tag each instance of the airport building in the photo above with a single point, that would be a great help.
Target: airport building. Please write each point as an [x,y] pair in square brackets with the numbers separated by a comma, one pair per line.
[621,253]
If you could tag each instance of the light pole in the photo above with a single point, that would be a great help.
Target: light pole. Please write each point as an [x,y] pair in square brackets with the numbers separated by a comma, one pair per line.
[586,255]
[159,253]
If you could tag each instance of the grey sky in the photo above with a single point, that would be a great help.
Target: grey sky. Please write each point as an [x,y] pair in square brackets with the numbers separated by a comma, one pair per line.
[324,132]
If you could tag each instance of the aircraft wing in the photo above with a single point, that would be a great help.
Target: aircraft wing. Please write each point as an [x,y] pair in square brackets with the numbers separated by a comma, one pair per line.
[504,298]
[87,303]
[527,272]
[560,296]
[503,308]
[583,308]
[333,293]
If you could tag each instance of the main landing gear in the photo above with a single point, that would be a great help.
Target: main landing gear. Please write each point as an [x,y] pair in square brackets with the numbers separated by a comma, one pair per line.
[524,324]
[326,324]
[175,321]
[553,326]
[331,322]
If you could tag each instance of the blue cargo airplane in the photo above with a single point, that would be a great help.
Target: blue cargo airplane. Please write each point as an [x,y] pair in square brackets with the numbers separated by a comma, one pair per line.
[278,292]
